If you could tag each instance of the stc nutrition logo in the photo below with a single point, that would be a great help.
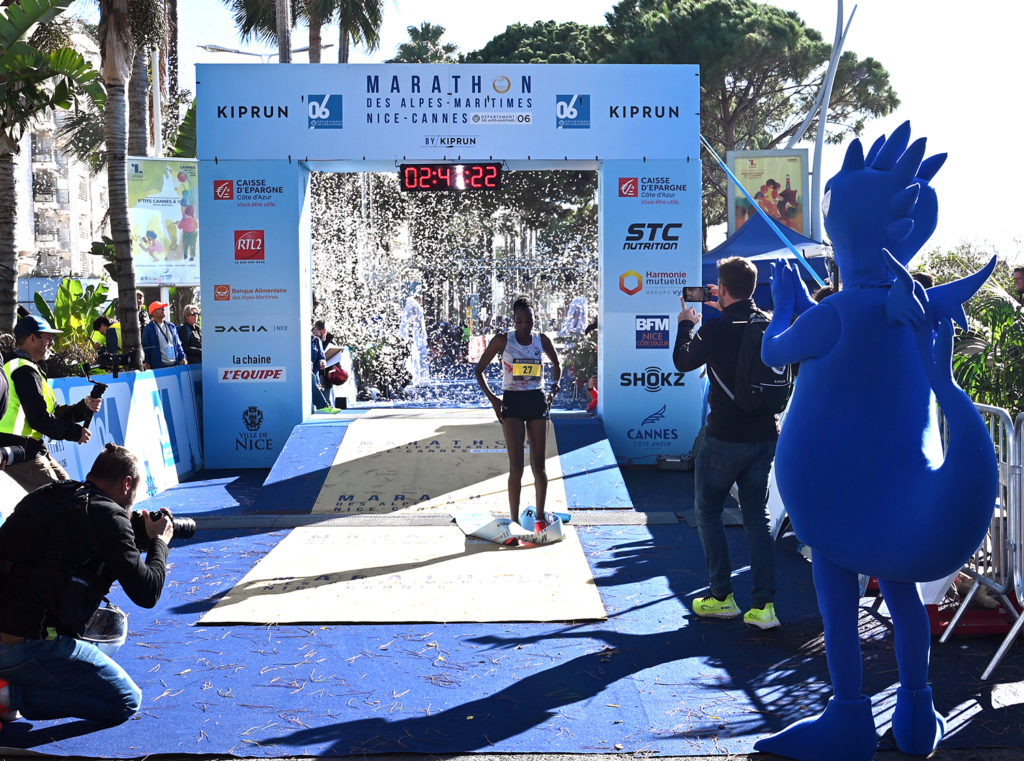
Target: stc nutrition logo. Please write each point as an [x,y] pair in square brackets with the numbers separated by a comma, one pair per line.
[629,187]
[249,246]
[223,190]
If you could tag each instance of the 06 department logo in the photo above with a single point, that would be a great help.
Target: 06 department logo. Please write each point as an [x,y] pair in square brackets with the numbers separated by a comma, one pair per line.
[572,111]
[325,111]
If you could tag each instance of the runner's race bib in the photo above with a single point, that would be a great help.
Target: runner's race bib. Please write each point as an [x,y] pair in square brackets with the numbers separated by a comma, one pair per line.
[525,369]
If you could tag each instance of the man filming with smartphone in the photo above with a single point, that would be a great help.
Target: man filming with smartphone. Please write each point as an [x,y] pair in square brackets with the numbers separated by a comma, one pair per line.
[32,409]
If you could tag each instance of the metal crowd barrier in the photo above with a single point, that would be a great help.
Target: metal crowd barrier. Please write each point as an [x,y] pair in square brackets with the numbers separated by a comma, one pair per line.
[998,564]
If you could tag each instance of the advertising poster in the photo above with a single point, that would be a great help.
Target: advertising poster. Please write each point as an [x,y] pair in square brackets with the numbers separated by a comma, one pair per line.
[651,243]
[163,205]
[778,183]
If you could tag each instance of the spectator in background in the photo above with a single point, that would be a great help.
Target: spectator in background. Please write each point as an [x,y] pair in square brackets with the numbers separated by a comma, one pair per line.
[140,300]
[32,408]
[191,335]
[106,335]
[160,341]
[1018,281]
[318,359]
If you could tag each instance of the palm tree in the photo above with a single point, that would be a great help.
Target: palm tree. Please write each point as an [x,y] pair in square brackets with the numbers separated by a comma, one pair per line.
[358,21]
[425,46]
[31,81]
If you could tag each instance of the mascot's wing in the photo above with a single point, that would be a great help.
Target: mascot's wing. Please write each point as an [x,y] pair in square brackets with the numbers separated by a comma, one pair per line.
[947,300]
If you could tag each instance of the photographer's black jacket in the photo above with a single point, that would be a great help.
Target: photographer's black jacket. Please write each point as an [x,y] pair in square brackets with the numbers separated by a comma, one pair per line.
[93,535]
[717,344]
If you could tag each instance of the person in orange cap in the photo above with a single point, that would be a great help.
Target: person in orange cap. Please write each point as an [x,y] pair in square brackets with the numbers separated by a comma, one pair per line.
[160,342]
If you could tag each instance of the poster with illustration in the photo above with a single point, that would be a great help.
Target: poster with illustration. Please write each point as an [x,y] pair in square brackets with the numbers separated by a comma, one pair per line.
[778,183]
[164,211]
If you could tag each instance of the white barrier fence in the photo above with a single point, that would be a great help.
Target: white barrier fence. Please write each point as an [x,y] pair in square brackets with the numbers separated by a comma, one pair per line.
[998,564]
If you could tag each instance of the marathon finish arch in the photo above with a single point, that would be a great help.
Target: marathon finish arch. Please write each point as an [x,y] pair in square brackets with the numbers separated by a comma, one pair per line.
[263,128]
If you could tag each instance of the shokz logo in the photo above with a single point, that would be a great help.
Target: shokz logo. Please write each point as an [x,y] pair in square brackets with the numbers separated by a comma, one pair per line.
[222,293]
[629,187]
[224,190]
[249,246]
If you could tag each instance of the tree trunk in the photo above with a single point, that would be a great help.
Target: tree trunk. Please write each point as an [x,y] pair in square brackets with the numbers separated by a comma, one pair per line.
[315,36]
[8,256]
[115,128]
[138,104]
[343,42]
[284,31]
[172,48]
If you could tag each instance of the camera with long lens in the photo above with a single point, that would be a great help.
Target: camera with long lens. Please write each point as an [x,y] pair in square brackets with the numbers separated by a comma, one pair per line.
[12,455]
[184,528]
[115,363]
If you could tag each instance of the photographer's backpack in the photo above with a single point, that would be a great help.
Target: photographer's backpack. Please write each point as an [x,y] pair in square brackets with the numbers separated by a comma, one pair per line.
[760,389]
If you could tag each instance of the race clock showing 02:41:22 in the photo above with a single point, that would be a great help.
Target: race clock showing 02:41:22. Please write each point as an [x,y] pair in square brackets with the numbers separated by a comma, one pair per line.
[457,177]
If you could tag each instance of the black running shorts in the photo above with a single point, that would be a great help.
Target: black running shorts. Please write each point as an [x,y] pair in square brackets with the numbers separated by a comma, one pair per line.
[525,405]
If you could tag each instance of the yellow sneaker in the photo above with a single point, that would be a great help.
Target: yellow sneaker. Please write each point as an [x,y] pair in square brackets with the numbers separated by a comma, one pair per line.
[762,618]
[712,607]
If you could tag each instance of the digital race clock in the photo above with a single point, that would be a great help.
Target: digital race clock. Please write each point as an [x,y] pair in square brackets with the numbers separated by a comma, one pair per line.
[417,177]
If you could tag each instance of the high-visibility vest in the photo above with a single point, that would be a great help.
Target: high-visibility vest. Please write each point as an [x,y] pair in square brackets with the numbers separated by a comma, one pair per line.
[14,421]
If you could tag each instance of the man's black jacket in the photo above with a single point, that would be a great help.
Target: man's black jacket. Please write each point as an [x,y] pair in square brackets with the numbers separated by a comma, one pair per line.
[61,425]
[79,527]
[717,344]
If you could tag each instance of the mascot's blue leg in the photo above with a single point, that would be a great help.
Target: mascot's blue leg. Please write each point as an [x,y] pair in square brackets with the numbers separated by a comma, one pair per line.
[916,726]
[845,731]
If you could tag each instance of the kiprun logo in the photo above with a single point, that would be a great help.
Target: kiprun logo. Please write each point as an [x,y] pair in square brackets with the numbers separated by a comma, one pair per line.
[325,111]
[223,190]
[629,187]
[249,246]
[631,282]
[572,111]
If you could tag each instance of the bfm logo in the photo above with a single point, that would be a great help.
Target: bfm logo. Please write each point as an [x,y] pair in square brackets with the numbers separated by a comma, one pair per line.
[651,331]
[222,293]
[631,282]
[629,187]
[224,190]
[325,111]
[652,379]
[647,430]
[249,246]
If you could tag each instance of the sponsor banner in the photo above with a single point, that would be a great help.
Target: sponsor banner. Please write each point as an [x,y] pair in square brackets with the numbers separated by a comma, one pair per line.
[777,181]
[163,207]
[151,413]
[255,356]
[650,251]
[416,112]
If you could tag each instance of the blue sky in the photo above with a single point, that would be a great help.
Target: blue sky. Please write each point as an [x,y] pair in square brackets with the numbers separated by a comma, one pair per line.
[950,63]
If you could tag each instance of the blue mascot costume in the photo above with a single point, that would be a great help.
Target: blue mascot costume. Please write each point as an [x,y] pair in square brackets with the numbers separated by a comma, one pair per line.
[859,462]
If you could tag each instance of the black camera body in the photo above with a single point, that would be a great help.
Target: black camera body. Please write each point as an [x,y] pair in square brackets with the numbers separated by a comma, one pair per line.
[113,362]
[12,455]
[184,528]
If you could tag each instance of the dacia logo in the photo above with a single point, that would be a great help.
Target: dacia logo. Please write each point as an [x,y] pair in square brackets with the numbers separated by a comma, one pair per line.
[239,329]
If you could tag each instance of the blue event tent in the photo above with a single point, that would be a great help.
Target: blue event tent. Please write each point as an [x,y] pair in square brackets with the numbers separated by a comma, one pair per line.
[757,241]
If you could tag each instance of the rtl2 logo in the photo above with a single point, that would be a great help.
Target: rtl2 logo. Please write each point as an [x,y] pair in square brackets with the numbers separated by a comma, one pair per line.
[249,246]
[224,190]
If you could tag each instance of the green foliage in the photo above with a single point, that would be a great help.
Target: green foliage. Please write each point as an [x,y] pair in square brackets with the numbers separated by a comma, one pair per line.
[184,144]
[425,46]
[105,248]
[73,312]
[544,42]
[988,360]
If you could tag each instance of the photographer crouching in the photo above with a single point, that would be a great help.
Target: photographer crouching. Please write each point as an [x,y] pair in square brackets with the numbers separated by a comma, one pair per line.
[60,551]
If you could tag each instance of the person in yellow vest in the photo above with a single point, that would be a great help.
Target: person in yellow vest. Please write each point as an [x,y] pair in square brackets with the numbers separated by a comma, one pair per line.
[106,335]
[32,409]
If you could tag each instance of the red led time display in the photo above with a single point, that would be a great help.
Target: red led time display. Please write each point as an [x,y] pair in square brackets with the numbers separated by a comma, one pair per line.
[458,177]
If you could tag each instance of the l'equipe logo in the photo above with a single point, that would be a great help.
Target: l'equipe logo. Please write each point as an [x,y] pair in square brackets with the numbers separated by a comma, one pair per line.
[325,111]
[224,190]
[249,246]
[572,111]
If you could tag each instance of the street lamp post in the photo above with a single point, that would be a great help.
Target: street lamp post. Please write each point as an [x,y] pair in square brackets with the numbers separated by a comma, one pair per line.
[264,57]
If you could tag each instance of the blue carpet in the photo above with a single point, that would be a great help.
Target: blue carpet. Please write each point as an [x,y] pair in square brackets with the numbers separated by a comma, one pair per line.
[651,679]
